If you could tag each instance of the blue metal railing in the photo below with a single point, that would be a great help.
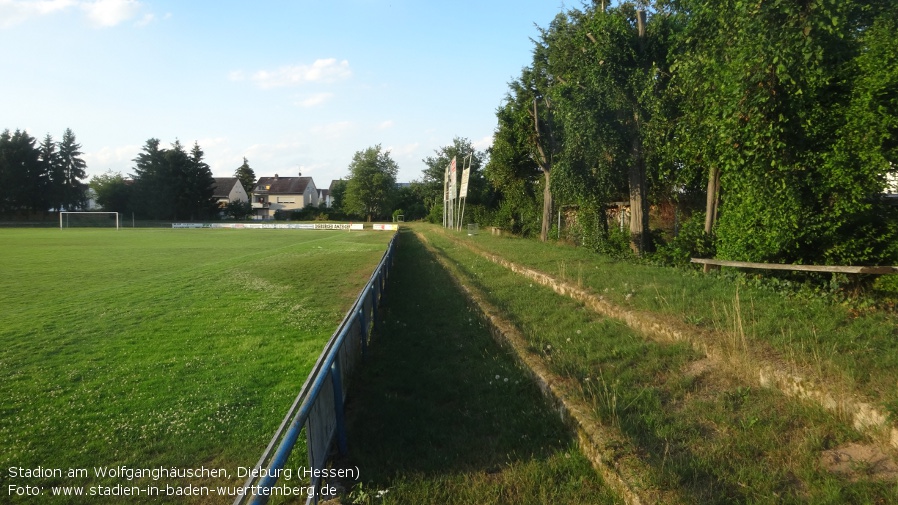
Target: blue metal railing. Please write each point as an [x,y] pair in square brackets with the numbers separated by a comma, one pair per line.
[319,405]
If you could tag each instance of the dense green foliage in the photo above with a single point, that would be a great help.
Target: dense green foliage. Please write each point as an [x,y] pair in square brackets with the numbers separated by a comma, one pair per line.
[166,184]
[794,103]
[113,192]
[172,183]
[246,175]
[238,209]
[769,92]
[38,178]
[371,186]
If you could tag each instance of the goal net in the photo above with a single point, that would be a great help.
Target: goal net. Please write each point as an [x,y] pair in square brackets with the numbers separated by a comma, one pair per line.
[73,219]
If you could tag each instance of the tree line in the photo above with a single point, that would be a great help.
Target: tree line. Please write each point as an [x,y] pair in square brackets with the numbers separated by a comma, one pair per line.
[776,122]
[39,177]
[167,184]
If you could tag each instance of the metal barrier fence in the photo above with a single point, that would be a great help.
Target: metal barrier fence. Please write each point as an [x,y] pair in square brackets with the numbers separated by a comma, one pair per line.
[319,405]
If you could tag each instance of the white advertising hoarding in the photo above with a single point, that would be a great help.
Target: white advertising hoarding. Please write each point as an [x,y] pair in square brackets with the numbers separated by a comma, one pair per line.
[463,191]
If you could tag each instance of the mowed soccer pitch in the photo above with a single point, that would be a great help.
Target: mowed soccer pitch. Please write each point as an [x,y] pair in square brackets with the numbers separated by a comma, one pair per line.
[174,348]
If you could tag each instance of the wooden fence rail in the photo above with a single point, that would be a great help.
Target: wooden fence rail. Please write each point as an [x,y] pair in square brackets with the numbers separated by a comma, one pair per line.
[875,270]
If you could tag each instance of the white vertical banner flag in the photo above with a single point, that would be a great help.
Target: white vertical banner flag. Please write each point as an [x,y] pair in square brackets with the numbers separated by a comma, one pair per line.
[453,179]
[446,196]
[446,185]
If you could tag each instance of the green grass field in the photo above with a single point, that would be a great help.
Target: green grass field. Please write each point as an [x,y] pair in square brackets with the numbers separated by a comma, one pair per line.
[706,435]
[173,348]
[443,414]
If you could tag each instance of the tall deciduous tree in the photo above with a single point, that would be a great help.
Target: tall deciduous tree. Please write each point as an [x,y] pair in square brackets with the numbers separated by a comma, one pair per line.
[530,124]
[338,196]
[544,135]
[371,184]
[611,92]
[511,169]
[113,191]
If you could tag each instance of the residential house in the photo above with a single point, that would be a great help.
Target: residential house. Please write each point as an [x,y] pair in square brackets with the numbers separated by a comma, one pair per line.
[284,194]
[329,196]
[227,190]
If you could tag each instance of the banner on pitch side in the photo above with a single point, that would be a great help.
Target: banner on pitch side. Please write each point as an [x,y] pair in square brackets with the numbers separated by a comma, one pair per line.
[274,226]
[453,179]
[465,175]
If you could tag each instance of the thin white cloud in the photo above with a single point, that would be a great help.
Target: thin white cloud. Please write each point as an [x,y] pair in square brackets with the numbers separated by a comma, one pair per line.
[322,70]
[110,156]
[483,144]
[106,13]
[314,100]
[386,124]
[13,12]
[101,13]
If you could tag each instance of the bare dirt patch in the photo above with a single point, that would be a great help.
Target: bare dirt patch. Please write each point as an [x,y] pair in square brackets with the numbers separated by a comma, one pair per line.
[698,367]
[856,461]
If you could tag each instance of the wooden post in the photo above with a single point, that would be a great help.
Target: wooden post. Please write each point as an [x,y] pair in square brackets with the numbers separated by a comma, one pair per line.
[711,203]
[712,199]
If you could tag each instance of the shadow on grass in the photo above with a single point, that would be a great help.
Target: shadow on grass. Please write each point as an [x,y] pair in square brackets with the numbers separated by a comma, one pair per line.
[437,394]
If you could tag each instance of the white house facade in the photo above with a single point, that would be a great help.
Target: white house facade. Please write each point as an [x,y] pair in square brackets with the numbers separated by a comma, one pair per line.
[284,194]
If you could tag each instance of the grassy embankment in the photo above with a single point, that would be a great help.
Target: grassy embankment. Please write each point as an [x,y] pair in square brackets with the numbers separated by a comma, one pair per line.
[173,348]
[440,413]
[825,342]
[706,434]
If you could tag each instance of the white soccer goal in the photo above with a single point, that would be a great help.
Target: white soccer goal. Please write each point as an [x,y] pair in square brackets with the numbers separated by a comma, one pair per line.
[92,219]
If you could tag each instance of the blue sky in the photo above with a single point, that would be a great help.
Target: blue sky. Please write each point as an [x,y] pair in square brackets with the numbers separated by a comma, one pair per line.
[292,85]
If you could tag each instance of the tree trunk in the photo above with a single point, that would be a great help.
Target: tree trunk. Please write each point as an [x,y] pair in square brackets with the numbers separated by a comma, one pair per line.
[547,208]
[639,209]
[639,215]
[712,200]
[711,204]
